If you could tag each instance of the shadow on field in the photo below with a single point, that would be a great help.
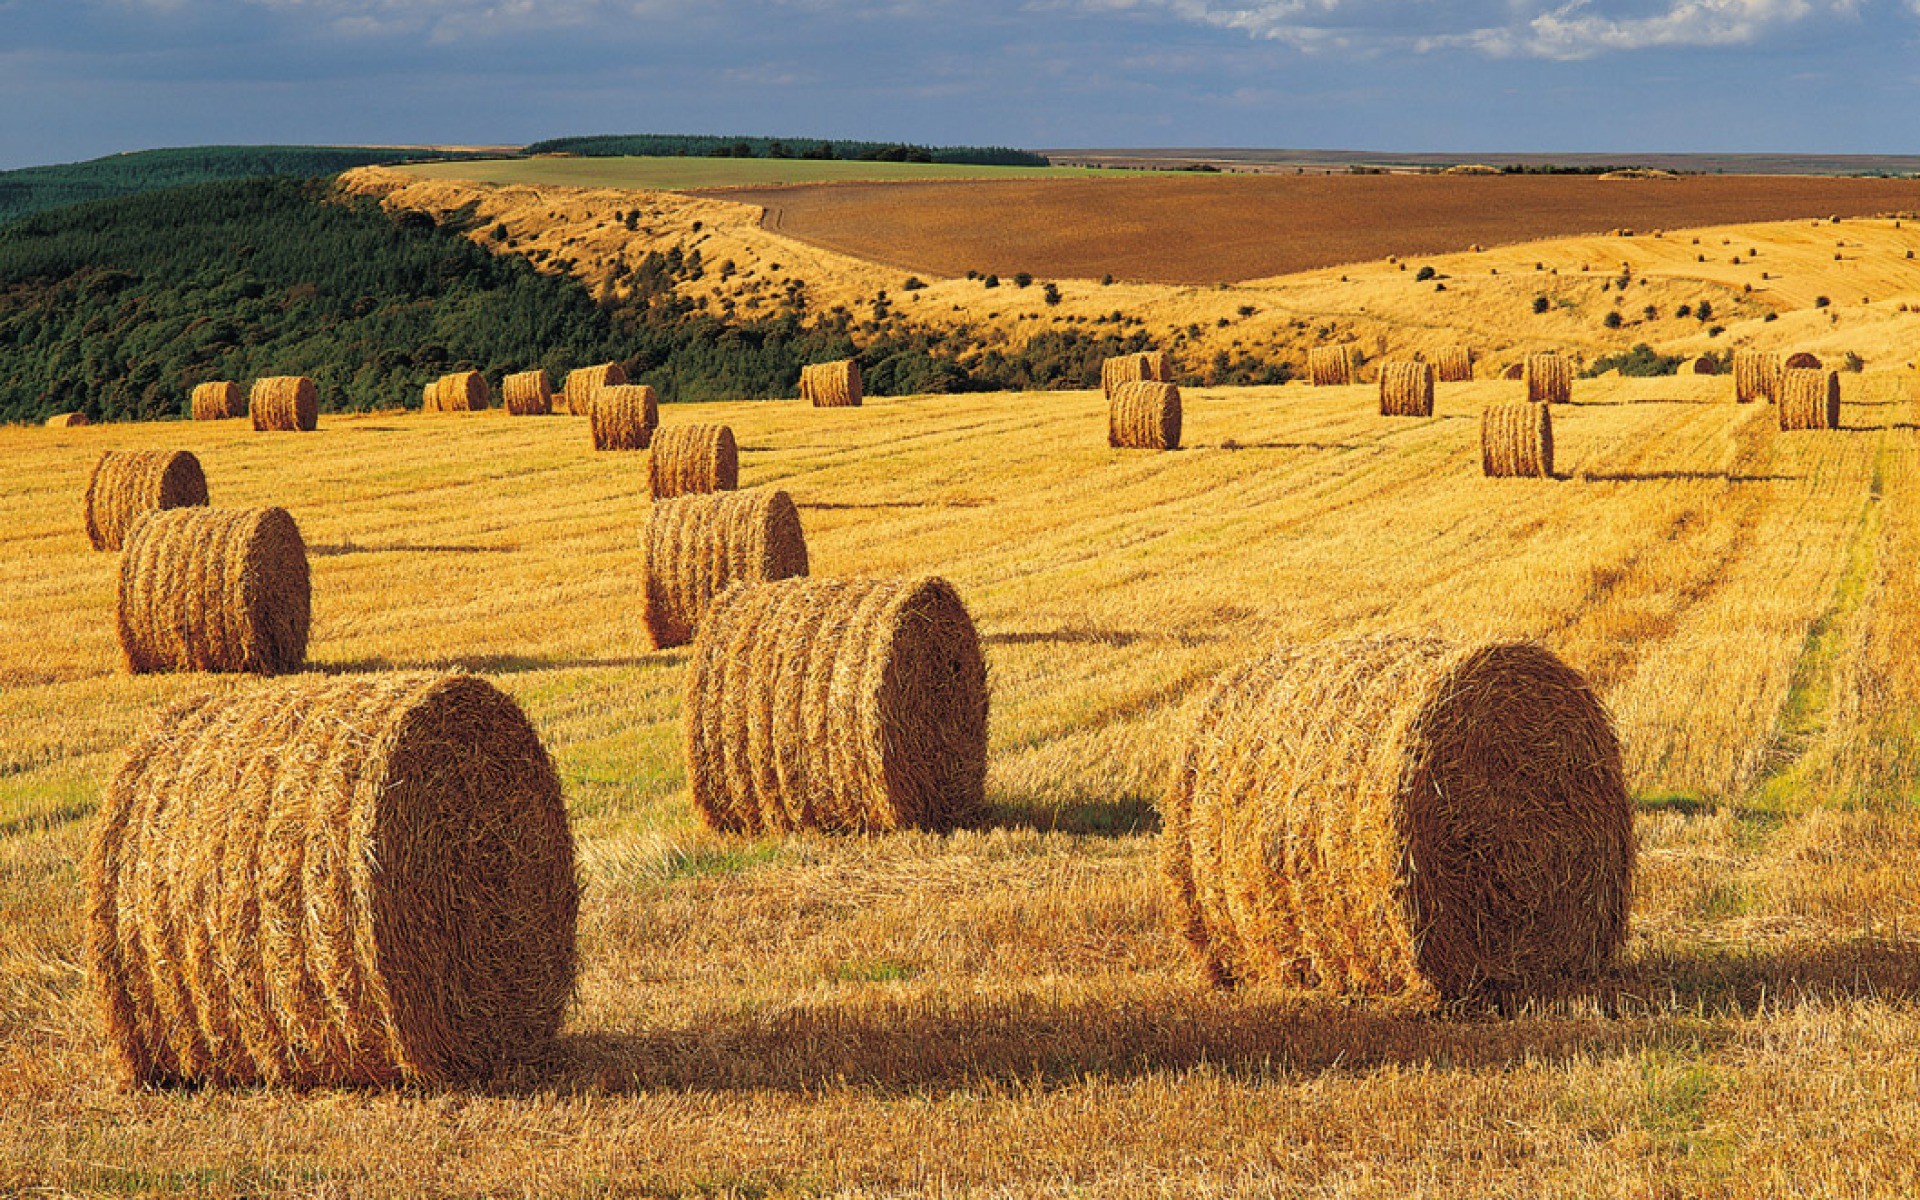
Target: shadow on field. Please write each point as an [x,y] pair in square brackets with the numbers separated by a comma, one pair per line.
[1096,637]
[1678,476]
[887,505]
[1124,816]
[1231,444]
[344,548]
[1745,982]
[490,664]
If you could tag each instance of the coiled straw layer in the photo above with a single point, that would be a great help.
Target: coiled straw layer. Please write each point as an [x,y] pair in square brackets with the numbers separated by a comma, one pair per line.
[1756,376]
[218,401]
[128,484]
[838,704]
[832,385]
[1549,379]
[1406,389]
[214,589]
[581,385]
[1333,366]
[623,417]
[462,391]
[1151,366]
[284,403]
[1402,817]
[1516,440]
[333,881]
[68,420]
[1809,399]
[1453,364]
[687,460]
[527,394]
[1144,416]
[699,546]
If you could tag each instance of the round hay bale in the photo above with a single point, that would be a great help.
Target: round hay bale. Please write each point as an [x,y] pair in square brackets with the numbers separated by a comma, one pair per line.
[582,384]
[1515,372]
[128,484]
[1154,366]
[832,385]
[1453,364]
[1549,379]
[68,420]
[1406,389]
[527,394]
[218,401]
[624,417]
[1516,441]
[848,705]
[1402,816]
[1144,416]
[687,460]
[1809,399]
[698,546]
[214,589]
[325,882]
[1333,366]
[462,391]
[285,403]
[1756,376]
[1801,362]
[1706,364]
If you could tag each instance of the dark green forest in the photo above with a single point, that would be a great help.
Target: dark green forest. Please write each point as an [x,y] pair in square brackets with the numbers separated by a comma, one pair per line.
[681,146]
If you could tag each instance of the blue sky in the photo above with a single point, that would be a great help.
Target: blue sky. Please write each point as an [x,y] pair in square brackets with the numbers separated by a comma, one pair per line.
[80,78]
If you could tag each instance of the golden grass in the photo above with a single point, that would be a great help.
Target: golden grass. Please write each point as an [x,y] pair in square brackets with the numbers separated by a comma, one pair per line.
[1144,416]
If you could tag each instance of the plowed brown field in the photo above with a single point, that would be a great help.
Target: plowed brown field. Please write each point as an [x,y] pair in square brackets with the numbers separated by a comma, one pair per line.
[1209,229]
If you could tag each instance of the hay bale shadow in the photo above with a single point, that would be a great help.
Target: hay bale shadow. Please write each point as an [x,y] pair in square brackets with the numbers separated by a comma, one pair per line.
[341,549]
[1124,816]
[1678,476]
[493,664]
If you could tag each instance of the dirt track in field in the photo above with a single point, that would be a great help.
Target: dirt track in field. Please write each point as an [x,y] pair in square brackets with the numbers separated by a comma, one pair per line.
[1209,229]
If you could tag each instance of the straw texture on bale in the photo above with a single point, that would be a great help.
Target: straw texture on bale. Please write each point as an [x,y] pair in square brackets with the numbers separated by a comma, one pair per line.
[847,705]
[1453,364]
[1516,440]
[1154,366]
[327,882]
[527,394]
[1333,366]
[128,484]
[832,385]
[462,391]
[687,460]
[214,589]
[699,546]
[68,420]
[1706,364]
[1809,399]
[582,384]
[1549,379]
[624,417]
[1406,389]
[285,403]
[218,401]
[1144,416]
[1400,816]
[1756,376]
[1802,362]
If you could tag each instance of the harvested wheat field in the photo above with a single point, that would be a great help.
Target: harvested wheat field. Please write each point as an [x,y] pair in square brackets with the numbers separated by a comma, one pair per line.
[1013,1009]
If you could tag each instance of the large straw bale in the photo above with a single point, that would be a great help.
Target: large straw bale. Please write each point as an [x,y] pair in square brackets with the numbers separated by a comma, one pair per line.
[832,384]
[68,420]
[1802,361]
[1406,389]
[462,391]
[1549,379]
[1453,364]
[837,704]
[624,417]
[527,394]
[214,589]
[285,403]
[1756,376]
[583,383]
[1155,366]
[1144,416]
[1516,440]
[687,460]
[333,881]
[1402,816]
[218,400]
[699,546]
[1333,366]
[1809,399]
[128,484]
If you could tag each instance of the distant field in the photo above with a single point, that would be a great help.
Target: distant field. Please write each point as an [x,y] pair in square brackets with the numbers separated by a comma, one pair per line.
[1213,229]
[677,173]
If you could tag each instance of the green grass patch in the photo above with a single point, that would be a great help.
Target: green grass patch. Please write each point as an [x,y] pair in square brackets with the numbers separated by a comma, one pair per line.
[705,862]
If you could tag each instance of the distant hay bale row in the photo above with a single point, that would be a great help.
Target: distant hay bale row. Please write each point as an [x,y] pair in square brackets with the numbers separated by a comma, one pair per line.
[581,385]
[68,420]
[1453,364]
[699,546]
[849,705]
[284,403]
[624,417]
[687,460]
[327,882]
[1549,379]
[1153,366]
[1756,376]
[1809,399]
[1516,441]
[218,400]
[1144,416]
[1401,816]
[462,391]
[527,394]
[832,385]
[128,484]
[1406,389]
[1333,366]
[214,589]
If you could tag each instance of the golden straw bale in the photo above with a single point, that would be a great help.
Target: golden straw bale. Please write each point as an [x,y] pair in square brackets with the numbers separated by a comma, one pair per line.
[582,384]
[699,546]
[1706,364]
[1453,364]
[219,400]
[1406,389]
[128,484]
[1516,371]
[333,881]
[1809,399]
[214,589]
[624,417]
[68,420]
[1401,816]
[1144,416]
[848,705]
[1516,440]
[832,385]
[1549,379]
[1155,366]
[686,460]
[1756,376]
[462,391]
[527,394]
[1333,366]
[1801,362]
[285,402]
